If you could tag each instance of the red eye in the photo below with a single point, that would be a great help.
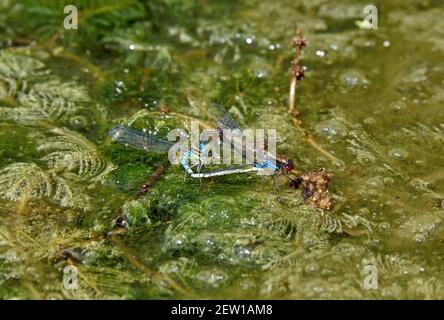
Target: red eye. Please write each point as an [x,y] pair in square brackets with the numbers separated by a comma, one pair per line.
[289,165]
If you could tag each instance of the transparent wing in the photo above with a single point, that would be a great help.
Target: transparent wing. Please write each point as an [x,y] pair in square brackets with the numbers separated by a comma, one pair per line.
[139,139]
[226,122]
[223,119]
[232,131]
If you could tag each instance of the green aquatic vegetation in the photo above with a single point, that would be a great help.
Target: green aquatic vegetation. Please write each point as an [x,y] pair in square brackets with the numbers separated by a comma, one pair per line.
[133,40]
[15,68]
[70,152]
[16,65]
[421,227]
[426,26]
[31,94]
[68,158]
[24,181]
[45,19]
[26,247]
[68,194]
[430,137]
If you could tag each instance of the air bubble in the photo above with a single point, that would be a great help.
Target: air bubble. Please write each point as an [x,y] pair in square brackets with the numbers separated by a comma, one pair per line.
[214,278]
[312,267]
[249,40]
[242,251]
[332,129]
[260,74]
[179,241]
[384,225]
[320,53]
[78,122]
[398,154]
[375,182]
[353,78]
[419,237]
[369,121]
[388,180]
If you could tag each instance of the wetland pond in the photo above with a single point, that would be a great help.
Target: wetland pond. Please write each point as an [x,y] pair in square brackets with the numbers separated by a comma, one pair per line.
[371,114]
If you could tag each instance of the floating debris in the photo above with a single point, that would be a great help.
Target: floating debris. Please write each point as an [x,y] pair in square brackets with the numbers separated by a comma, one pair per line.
[314,187]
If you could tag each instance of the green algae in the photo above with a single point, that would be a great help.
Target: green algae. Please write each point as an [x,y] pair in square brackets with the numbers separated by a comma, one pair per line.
[373,99]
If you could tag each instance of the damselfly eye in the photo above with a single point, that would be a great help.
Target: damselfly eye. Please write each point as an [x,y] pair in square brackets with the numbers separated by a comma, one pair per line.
[289,165]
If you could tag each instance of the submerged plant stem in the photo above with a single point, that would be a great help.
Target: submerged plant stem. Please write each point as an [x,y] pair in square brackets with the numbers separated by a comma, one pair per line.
[292,98]
[297,73]
[152,179]
[312,142]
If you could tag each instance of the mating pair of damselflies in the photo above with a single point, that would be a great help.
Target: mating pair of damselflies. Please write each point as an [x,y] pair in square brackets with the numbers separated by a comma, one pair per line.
[194,160]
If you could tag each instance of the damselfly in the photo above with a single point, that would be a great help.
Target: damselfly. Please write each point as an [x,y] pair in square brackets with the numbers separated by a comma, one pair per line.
[194,160]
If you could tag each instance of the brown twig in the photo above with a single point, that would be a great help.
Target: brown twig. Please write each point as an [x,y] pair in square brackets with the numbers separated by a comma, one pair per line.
[296,72]
[152,180]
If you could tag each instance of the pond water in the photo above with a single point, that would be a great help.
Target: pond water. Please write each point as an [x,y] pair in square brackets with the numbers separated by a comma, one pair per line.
[371,113]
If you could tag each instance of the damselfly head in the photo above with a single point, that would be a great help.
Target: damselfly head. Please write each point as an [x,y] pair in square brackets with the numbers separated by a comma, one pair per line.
[289,165]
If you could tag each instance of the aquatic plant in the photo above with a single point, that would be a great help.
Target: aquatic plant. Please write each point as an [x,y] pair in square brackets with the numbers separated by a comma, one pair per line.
[72,162]
[297,72]
[31,93]
[21,182]
[70,152]
[371,116]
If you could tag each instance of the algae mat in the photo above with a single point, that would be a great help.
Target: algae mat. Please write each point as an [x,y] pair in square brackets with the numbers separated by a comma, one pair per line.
[372,99]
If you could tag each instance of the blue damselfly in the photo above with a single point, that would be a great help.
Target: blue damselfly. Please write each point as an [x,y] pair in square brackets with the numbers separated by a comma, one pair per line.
[194,160]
